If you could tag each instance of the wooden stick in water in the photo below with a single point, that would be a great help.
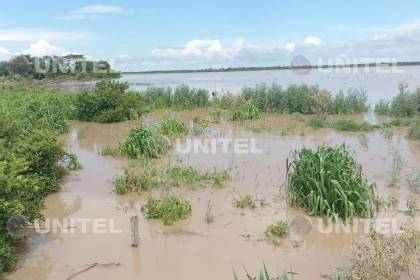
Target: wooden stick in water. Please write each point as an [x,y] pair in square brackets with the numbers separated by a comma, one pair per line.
[134,231]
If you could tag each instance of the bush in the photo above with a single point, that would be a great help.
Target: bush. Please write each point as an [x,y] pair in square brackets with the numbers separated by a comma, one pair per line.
[382,107]
[328,182]
[414,130]
[172,126]
[246,112]
[185,98]
[169,209]
[143,142]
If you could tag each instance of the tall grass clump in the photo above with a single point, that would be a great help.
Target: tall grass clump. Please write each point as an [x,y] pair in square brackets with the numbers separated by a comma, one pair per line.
[382,107]
[143,142]
[318,123]
[329,182]
[170,209]
[185,98]
[171,126]
[277,231]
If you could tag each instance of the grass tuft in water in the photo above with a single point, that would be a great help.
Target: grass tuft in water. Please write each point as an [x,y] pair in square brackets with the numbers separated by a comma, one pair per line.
[244,201]
[143,142]
[350,125]
[169,209]
[171,126]
[329,182]
[277,231]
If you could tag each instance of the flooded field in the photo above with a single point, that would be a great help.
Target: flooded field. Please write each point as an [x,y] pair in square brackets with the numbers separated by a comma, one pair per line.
[193,248]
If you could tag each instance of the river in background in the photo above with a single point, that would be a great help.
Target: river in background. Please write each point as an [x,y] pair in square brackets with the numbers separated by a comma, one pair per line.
[379,82]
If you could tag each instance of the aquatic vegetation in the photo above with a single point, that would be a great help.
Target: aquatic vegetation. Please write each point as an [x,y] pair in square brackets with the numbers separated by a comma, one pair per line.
[391,202]
[277,231]
[171,126]
[185,98]
[109,151]
[350,125]
[405,104]
[246,112]
[170,209]
[412,206]
[413,181]
[176,176]
[414,130]
[382,257]
[318,123]
[329,182]
[143,142]
[244,201]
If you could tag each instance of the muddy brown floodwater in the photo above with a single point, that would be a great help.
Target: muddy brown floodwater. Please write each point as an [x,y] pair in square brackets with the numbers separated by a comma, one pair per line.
[192,248]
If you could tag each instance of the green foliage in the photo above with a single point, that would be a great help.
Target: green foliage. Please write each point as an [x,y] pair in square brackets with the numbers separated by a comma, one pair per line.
[246,112]
[108,102]
[350,125]
[277,231]
[318,123]
[328,182]
[172,126]
[32,161]
[382,107]
[143,142]
[264,275]
[412,206]
[414,130]
[244,201]
[304,99]
[185,98]
[169,209]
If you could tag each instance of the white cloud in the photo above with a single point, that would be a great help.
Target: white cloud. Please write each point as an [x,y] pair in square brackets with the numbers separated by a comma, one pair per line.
[92,12]
[4,51]
[312,41]
[290,47]
[43,47]
[33,34]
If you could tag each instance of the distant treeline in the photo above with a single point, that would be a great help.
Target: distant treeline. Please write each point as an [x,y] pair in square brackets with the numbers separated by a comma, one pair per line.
[285,67]
[70,66]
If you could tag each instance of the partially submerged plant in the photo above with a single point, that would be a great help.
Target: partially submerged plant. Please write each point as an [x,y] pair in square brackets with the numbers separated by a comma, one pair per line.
[246,112]
[277,231]
[264,275]
[169,209]
[350,125]
[209,213]
[391,202]
[172,126]
[329,182]
[143,142]
[244,201]
[397,165]
[318,123]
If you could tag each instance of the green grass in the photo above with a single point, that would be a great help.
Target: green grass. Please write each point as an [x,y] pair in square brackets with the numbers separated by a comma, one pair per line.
[412,206]
[143,142]
[397,165]
[264,275]
[244,201]
[318,123]
[350,125]
[277,231]
[171,126]
[170,209]
[150,178]
[329,182]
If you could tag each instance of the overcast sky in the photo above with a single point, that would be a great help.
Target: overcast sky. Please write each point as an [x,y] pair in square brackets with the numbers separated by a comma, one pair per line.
[149,35]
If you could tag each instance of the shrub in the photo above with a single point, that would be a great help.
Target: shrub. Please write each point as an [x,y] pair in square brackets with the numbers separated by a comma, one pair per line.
[350,125]
[382,107]
[172,126]
[185,98]
[328,182]
[275,232]
[244,201]
[169,209]
[318,123]
[414,130]
[143,142]
[246,112]
[157,98]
